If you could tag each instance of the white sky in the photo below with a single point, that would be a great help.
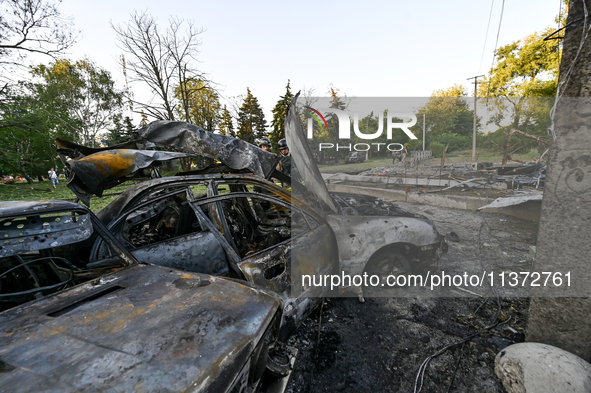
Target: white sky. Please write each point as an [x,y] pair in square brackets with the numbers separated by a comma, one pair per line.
[370,49]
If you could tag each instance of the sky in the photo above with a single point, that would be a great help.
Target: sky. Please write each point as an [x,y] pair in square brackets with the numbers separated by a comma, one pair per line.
[370,49]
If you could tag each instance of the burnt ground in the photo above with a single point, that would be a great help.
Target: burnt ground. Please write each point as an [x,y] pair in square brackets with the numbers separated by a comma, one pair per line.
[379,345]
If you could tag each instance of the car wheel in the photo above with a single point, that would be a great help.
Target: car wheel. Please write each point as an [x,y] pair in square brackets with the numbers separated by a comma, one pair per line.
[386,263]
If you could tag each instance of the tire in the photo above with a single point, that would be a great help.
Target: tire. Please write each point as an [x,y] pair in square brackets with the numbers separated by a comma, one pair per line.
[388,262]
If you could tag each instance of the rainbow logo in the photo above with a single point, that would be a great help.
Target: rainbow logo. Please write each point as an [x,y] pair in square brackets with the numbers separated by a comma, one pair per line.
[317,119]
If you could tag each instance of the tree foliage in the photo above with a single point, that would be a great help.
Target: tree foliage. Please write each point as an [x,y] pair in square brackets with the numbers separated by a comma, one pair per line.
[226,124]
[337,101]
[201,105]
[121,131]
[524,76]
[524,68]
[70,100]
[81,97]
[26,137]
[251,119]
[447,112]
[279,112]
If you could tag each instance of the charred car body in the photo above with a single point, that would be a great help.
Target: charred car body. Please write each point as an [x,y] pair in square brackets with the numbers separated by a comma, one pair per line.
[116,324]
[231,220]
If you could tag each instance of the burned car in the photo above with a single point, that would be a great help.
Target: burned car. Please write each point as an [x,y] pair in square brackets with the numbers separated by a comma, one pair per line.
[231,219]
[218,224]
[113,324]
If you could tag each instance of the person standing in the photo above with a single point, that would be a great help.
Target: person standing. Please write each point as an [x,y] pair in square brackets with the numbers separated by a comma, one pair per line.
[265,144]
[53,177]
[285,163]
[395,156]
[403,153]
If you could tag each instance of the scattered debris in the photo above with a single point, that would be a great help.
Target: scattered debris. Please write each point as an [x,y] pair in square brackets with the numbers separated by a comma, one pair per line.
[518,199]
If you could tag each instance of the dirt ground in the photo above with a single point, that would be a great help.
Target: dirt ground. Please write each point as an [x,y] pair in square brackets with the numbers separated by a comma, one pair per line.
[380,345]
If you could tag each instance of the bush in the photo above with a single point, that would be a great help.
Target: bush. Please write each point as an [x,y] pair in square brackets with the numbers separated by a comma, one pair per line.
[456,142]
[436,148]
[414,144]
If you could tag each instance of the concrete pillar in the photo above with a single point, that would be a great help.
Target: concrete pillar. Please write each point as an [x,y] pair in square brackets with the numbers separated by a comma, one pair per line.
[562,316]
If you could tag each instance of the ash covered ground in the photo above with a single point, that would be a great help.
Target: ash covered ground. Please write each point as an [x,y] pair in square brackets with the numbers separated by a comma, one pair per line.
[380,345]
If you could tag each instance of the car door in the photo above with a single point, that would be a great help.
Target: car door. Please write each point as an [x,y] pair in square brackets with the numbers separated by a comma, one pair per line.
[165,230]
[278,243]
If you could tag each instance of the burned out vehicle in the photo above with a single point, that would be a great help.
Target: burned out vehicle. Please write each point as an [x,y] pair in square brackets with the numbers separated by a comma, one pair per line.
[113,324]
[218,224]
[231,219]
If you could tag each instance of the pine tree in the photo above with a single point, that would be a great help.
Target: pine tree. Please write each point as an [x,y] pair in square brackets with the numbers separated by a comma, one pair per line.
[279,113]
[226,126]
[121,132]
[332,120]
[251,120]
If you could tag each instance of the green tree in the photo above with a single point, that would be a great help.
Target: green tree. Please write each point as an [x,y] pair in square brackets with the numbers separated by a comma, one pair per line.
[80,96]
[525,68]
[370,123]
[200,105]
[524,76]
[251,119]
[279,113]
[26,137]
[446,112]
[121,131]
[226,124]
[337,102]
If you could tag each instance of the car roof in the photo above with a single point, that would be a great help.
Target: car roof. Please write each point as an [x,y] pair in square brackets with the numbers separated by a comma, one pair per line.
[115,208]
[14,208]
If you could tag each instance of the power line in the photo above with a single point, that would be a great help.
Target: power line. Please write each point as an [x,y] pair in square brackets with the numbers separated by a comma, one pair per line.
[486,36]
[495,51]
[498,33]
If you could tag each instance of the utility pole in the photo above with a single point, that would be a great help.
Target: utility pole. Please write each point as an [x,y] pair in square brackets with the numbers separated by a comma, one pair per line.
[475,101]
[423,132]
[127,87]
[559,315]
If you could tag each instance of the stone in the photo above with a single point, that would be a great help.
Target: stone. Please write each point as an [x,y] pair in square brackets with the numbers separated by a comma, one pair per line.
[535,367]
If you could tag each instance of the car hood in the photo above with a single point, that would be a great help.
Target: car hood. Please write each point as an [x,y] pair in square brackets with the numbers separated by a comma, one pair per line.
[302,156]
[145,328]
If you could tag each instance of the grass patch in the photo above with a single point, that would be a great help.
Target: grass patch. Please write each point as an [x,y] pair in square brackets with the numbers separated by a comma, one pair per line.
[40,191]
